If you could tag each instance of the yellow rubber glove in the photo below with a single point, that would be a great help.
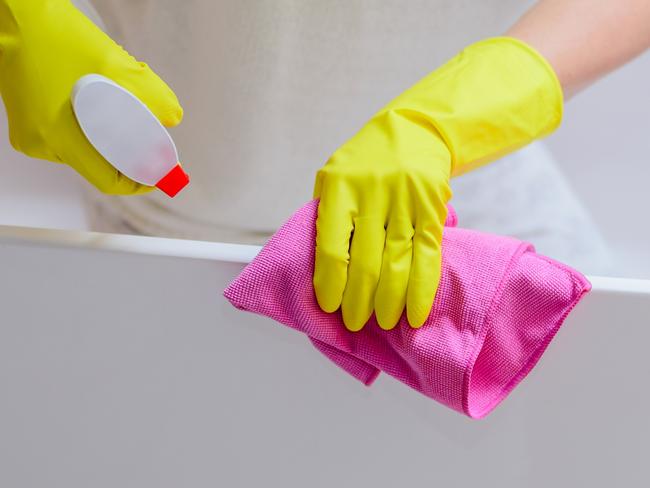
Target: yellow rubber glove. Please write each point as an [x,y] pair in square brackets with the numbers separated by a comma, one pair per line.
[383,194]
[45,47]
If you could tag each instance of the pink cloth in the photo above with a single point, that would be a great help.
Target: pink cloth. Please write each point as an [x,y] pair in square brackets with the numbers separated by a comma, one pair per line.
[498,306]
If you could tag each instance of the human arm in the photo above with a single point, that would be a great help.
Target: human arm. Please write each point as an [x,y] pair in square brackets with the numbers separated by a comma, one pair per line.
[476,122]
[585,39]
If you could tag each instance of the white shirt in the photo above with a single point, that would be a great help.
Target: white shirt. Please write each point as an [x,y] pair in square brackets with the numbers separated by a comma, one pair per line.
[272,87]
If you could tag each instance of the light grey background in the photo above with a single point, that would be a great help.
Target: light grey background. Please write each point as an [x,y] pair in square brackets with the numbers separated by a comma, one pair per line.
[604,149]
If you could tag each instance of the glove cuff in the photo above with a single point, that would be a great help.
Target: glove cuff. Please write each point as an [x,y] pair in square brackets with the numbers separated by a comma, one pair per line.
[494,97]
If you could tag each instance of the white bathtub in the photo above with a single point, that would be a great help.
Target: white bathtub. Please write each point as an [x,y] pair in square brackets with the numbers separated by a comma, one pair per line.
[121,365]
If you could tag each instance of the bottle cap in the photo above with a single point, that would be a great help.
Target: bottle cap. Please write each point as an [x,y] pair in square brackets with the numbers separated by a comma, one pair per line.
[174,181]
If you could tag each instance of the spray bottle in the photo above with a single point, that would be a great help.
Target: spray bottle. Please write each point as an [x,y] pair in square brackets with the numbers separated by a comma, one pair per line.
[127,134]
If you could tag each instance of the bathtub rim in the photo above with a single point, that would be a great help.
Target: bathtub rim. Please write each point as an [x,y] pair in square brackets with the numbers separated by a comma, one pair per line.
[131,244]
[205,250]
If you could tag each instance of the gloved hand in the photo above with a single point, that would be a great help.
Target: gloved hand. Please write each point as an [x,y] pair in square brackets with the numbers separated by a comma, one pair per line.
[383,194]
[45,47]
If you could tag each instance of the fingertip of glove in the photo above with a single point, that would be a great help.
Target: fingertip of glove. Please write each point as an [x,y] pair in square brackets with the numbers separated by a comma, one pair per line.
[121,185]
[172,116]
[143,190]
[418,310]
[387,320]
[417,322]
[356,313]
[326,302]
[156,94]
[354,322]
[387,324]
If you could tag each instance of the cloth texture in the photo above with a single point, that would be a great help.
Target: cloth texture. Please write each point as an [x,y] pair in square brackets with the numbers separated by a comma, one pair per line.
[498,306]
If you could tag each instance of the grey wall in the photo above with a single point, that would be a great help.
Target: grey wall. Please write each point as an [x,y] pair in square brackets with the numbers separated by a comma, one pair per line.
[604,148]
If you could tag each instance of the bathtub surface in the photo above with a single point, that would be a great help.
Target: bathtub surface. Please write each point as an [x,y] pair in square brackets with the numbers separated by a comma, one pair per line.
[122,365]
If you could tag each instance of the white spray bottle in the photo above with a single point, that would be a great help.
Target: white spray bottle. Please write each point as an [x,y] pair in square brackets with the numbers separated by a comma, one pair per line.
[127,134]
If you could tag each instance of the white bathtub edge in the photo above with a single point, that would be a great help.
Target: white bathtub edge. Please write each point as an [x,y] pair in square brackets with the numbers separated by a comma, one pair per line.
[211,251]
[156,246]
[620,285]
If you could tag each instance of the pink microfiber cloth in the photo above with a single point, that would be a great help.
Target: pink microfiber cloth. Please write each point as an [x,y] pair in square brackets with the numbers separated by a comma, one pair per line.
[498,306]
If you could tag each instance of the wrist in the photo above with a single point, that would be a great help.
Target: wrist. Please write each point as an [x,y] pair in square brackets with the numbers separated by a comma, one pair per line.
[491,99]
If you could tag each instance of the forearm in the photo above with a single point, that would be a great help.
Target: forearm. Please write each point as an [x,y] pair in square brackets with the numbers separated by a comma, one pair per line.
[585,39]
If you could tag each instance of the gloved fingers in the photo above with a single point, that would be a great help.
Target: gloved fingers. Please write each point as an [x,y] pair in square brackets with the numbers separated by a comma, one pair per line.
[78,153]
[366,252]
[425,271]
[390,297]
[333,230]
[120,66]
[140,79]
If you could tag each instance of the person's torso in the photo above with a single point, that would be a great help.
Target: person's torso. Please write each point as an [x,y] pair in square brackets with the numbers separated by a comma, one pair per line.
[272,88]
